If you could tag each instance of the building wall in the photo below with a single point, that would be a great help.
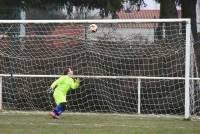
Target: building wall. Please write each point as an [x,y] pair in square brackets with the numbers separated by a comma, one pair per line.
[128,34]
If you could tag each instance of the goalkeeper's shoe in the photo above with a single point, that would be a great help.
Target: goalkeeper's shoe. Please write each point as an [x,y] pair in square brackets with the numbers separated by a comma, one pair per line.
[53,115]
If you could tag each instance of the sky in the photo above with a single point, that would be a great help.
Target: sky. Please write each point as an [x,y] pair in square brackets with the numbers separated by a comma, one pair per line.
[151,5]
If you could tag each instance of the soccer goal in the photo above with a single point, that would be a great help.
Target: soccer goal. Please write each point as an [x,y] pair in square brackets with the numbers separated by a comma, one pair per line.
[137,66]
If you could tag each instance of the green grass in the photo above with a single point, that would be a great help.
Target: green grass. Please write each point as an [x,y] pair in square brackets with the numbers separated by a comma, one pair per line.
[37,123]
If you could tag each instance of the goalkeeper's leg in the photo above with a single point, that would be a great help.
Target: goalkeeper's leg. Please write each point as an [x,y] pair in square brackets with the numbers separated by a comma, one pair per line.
[58,110]
[60,107]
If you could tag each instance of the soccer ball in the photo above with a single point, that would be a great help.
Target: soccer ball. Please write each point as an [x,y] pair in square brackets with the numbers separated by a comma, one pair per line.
[93,28]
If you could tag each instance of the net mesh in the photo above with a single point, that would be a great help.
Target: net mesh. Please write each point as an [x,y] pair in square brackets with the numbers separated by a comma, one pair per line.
[118,50]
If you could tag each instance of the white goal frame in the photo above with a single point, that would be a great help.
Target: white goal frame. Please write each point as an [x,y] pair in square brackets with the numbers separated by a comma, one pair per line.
[187,77]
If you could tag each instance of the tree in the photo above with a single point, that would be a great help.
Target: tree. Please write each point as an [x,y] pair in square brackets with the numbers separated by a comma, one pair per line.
[189,11]
[106,6]
[168,9]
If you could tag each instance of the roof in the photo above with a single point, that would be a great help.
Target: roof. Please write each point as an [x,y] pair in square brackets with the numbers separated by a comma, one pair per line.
[142,14]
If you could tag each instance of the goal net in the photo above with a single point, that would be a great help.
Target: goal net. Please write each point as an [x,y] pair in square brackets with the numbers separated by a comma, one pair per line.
[127,66]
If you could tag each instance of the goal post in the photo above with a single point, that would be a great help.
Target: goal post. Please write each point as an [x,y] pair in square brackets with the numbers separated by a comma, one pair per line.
[131,66]
[187,69]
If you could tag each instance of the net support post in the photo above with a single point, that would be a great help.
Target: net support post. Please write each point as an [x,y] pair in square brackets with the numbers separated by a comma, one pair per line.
[22,27]
[187,69]
[1,93]
[139,96]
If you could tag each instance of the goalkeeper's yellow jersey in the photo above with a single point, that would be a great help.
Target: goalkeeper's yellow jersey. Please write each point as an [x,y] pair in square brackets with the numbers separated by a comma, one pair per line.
[64,84]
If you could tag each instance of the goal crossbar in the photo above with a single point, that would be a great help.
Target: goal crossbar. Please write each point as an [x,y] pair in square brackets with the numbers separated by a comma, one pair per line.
[107,21]
[99,77]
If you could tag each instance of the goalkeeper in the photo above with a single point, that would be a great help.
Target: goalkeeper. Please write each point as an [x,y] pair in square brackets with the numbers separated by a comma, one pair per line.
[60,88]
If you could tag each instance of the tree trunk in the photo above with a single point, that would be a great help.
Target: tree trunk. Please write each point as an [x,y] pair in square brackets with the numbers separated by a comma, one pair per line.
[168,9]
[167,30]
[189,11]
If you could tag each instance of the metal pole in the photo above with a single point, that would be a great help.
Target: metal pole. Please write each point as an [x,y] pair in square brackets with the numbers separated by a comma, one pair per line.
[139,96]
[187,70]
[1,100]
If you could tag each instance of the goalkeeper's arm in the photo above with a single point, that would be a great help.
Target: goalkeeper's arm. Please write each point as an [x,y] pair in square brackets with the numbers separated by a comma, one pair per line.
[75,84]
[53,86]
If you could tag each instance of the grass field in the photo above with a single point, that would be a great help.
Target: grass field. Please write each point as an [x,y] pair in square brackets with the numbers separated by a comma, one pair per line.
[41,123]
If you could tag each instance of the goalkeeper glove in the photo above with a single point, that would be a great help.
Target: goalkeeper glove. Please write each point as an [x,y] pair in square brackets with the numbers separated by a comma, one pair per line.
[77,81]
[50,90]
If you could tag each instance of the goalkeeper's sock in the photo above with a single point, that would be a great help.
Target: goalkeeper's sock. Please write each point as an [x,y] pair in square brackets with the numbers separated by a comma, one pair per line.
[59,109]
